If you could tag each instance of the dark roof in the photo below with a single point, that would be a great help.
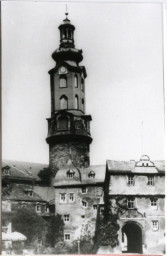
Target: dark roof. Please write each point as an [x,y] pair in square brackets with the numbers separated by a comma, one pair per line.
[23,170]
[81,175]
[18,192]
[46,193]
[142,166]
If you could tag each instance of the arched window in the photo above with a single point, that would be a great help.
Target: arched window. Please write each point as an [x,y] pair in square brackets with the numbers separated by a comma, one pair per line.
[82,104]
[82,84]
[62,123]
[63,102]
[76,102]
[76,81]
[63,82]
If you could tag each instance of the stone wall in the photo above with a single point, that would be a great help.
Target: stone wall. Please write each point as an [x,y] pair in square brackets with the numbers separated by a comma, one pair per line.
[60,154]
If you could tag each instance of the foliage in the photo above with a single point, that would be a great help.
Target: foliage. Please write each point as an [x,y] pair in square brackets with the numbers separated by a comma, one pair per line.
[85,247]
[29,223]
[107,228]
[55,230]
[108,232]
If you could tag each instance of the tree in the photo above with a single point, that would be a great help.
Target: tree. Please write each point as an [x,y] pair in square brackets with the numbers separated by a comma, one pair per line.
[55,230]
[107,228]
[29,223]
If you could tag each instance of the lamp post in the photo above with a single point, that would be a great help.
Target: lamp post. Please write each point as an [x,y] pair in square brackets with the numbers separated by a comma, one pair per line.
[78,242]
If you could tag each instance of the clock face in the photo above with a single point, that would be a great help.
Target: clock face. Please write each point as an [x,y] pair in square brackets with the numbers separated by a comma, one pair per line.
[62,70]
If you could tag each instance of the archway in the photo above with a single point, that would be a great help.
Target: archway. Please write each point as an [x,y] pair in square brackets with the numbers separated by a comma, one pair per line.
[132,236]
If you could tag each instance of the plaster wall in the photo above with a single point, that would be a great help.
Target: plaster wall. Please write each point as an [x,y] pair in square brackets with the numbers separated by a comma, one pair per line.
[140,185]
[70,91]
[77,224]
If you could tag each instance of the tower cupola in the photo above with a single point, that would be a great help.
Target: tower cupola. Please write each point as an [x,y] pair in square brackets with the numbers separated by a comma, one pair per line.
[67,50]
[66,33]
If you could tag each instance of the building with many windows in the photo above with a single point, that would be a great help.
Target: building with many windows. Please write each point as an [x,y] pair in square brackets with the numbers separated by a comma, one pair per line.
[69,185]
[141,195]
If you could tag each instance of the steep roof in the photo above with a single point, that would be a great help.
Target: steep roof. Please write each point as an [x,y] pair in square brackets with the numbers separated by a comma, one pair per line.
[91,175]
[144,165]
[24,170]
[18,192]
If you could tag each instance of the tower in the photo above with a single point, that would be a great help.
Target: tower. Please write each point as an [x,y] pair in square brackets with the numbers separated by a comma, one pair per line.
[69,126]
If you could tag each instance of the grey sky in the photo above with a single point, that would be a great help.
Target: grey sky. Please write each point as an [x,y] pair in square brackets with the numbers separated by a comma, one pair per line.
[122,49]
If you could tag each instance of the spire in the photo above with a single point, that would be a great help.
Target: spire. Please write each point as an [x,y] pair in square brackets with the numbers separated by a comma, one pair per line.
[66,13]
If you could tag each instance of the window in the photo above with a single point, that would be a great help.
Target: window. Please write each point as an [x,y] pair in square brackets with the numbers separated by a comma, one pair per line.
[63,198]
[71,198]
[67,237]
[66,218]
[155,225]
[95,207]
[91,174]
[82,106]
[63,82]
[62,123]
[84,204]
[63,102]
[30,193]
[84,190]
[82,84]
[83,216]
[76,81]
[154,204]
[150,181]
[130,180]
[47,209]
[6,172]
[70,173]
[76,102]
[38,208]
[130,203]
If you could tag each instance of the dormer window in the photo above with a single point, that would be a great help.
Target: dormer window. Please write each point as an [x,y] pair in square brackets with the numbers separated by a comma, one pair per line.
[95,207]
[91,174]
[30,193]
[70,173]
[6,172]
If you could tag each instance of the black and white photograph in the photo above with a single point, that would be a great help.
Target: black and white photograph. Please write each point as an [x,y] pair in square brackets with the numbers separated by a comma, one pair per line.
[83,126]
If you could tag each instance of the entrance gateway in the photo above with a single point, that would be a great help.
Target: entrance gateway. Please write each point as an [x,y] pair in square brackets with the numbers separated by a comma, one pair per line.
[132,238]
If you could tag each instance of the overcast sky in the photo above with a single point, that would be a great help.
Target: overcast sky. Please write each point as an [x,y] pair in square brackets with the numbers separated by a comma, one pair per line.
[123,56]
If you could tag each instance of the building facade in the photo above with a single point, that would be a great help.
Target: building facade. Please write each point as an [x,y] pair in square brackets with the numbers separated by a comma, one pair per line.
[141,196]
[69,185]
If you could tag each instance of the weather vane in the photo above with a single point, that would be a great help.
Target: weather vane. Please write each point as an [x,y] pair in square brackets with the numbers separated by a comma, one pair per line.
[66,13]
